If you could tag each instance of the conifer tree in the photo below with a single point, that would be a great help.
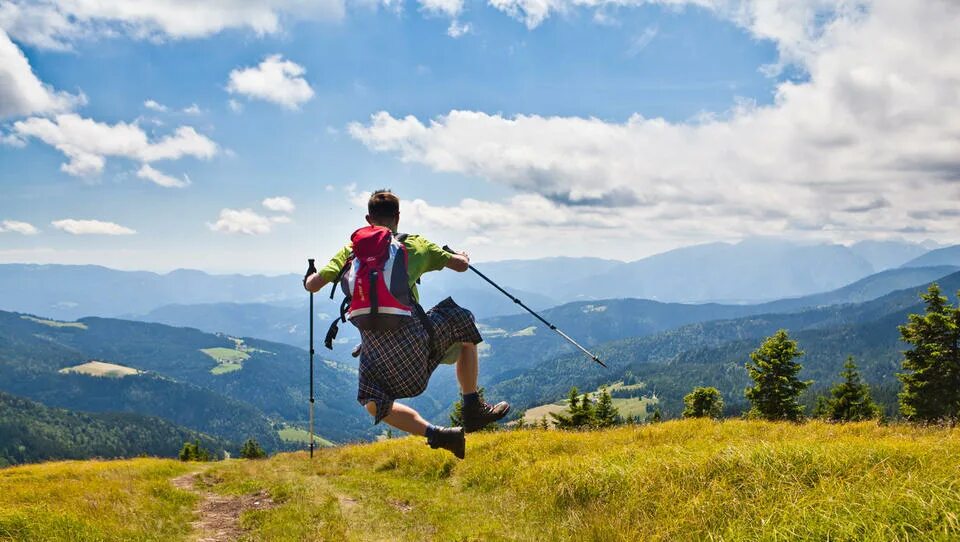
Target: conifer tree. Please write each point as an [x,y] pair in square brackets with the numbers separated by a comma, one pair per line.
[572,416]
[251,450]
[774,370]
[931,385]
[850,400]
[544,424]
[657,415]
[703,403]
[606,414]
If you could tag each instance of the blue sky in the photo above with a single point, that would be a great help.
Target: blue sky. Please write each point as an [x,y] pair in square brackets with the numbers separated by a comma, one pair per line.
[615,129]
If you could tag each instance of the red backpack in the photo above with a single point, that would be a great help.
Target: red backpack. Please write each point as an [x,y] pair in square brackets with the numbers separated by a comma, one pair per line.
[376,283]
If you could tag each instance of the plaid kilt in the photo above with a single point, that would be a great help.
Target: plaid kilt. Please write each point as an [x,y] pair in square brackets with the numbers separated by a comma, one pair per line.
[398,363]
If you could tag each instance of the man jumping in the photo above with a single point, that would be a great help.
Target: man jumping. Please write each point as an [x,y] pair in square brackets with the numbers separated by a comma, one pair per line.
[397,363]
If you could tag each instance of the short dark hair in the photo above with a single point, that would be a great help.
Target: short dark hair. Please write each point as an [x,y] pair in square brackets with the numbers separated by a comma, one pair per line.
[383,205]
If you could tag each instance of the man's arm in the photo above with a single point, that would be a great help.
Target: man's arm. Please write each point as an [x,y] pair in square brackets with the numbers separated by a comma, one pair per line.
[316,281]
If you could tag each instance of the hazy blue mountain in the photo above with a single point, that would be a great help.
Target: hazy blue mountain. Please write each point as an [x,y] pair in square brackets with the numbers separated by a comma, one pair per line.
[942,256]
[749,271]
[884,255]
[68,292]
[866,289]
[541,276]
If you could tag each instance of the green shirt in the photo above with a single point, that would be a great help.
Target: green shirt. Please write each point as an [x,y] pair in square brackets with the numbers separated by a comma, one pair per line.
[422,257]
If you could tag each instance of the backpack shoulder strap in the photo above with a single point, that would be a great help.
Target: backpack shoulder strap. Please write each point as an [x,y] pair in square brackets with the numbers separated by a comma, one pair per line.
[343,271]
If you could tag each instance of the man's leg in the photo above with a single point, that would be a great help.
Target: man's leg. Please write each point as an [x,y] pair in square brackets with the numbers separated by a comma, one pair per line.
[403,418]
[468,367]
[477,414]
[407,419]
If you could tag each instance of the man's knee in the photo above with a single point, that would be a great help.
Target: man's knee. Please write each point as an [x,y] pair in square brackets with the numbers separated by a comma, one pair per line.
[371,408]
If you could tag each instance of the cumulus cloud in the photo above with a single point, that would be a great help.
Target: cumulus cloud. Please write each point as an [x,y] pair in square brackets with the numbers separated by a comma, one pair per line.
[274,80]
[87,143]
[91,227]
[161,179]
[456,29]
[154,105]
[869,137]
[193,109]
[15,226]
[244,221]
[21,92]
[55,24]
[280,204]
[450,8]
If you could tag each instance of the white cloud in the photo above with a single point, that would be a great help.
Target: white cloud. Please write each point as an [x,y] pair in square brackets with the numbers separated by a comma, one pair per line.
[450,8]
[55,24]
[876,121]
[155,106]
[234,105]
[280,204]
[640,42]
[244,221]
[456,29]
[91,227]
[87,142]
[21,93]
[15,226]
[274,80]
[160,178]
[280,219]
[194,109]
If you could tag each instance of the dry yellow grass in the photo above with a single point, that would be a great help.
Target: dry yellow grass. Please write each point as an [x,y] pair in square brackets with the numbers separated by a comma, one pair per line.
[130,500]
[680,480]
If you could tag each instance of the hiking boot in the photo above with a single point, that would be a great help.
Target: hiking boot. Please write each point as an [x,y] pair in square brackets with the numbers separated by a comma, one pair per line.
[478,416]
[449,438]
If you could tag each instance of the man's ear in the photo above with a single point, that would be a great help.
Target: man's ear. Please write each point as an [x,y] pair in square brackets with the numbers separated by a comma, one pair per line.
[368,220]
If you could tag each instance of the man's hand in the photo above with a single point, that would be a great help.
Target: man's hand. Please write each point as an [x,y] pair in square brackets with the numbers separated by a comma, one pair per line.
[313,283]
[459,262]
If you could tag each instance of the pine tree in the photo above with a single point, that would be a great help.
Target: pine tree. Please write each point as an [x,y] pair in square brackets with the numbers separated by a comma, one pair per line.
[569,419]
[774,370]
[606,414]
[544,424]
[703,403]
[521,423]
[586,417]
[251,450]
[931,387]
[657,415]
[850,401]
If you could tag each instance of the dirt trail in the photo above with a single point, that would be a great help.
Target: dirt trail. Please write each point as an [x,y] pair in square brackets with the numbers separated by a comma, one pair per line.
[219,519]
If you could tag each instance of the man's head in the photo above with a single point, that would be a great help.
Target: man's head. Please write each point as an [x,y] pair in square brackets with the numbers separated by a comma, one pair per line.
[383,209]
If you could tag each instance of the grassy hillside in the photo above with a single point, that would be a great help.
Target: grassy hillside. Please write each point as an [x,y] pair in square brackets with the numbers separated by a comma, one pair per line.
[682,480]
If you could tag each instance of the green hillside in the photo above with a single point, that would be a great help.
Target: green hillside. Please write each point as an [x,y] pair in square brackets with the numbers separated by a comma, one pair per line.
[683,480]
[31,432]
[178,382]
[713,353]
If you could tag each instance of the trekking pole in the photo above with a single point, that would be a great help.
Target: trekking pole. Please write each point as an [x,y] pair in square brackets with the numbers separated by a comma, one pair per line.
[311,270]
[528,309]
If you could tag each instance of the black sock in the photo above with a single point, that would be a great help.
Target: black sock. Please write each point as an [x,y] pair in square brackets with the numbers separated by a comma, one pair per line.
[471,399]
